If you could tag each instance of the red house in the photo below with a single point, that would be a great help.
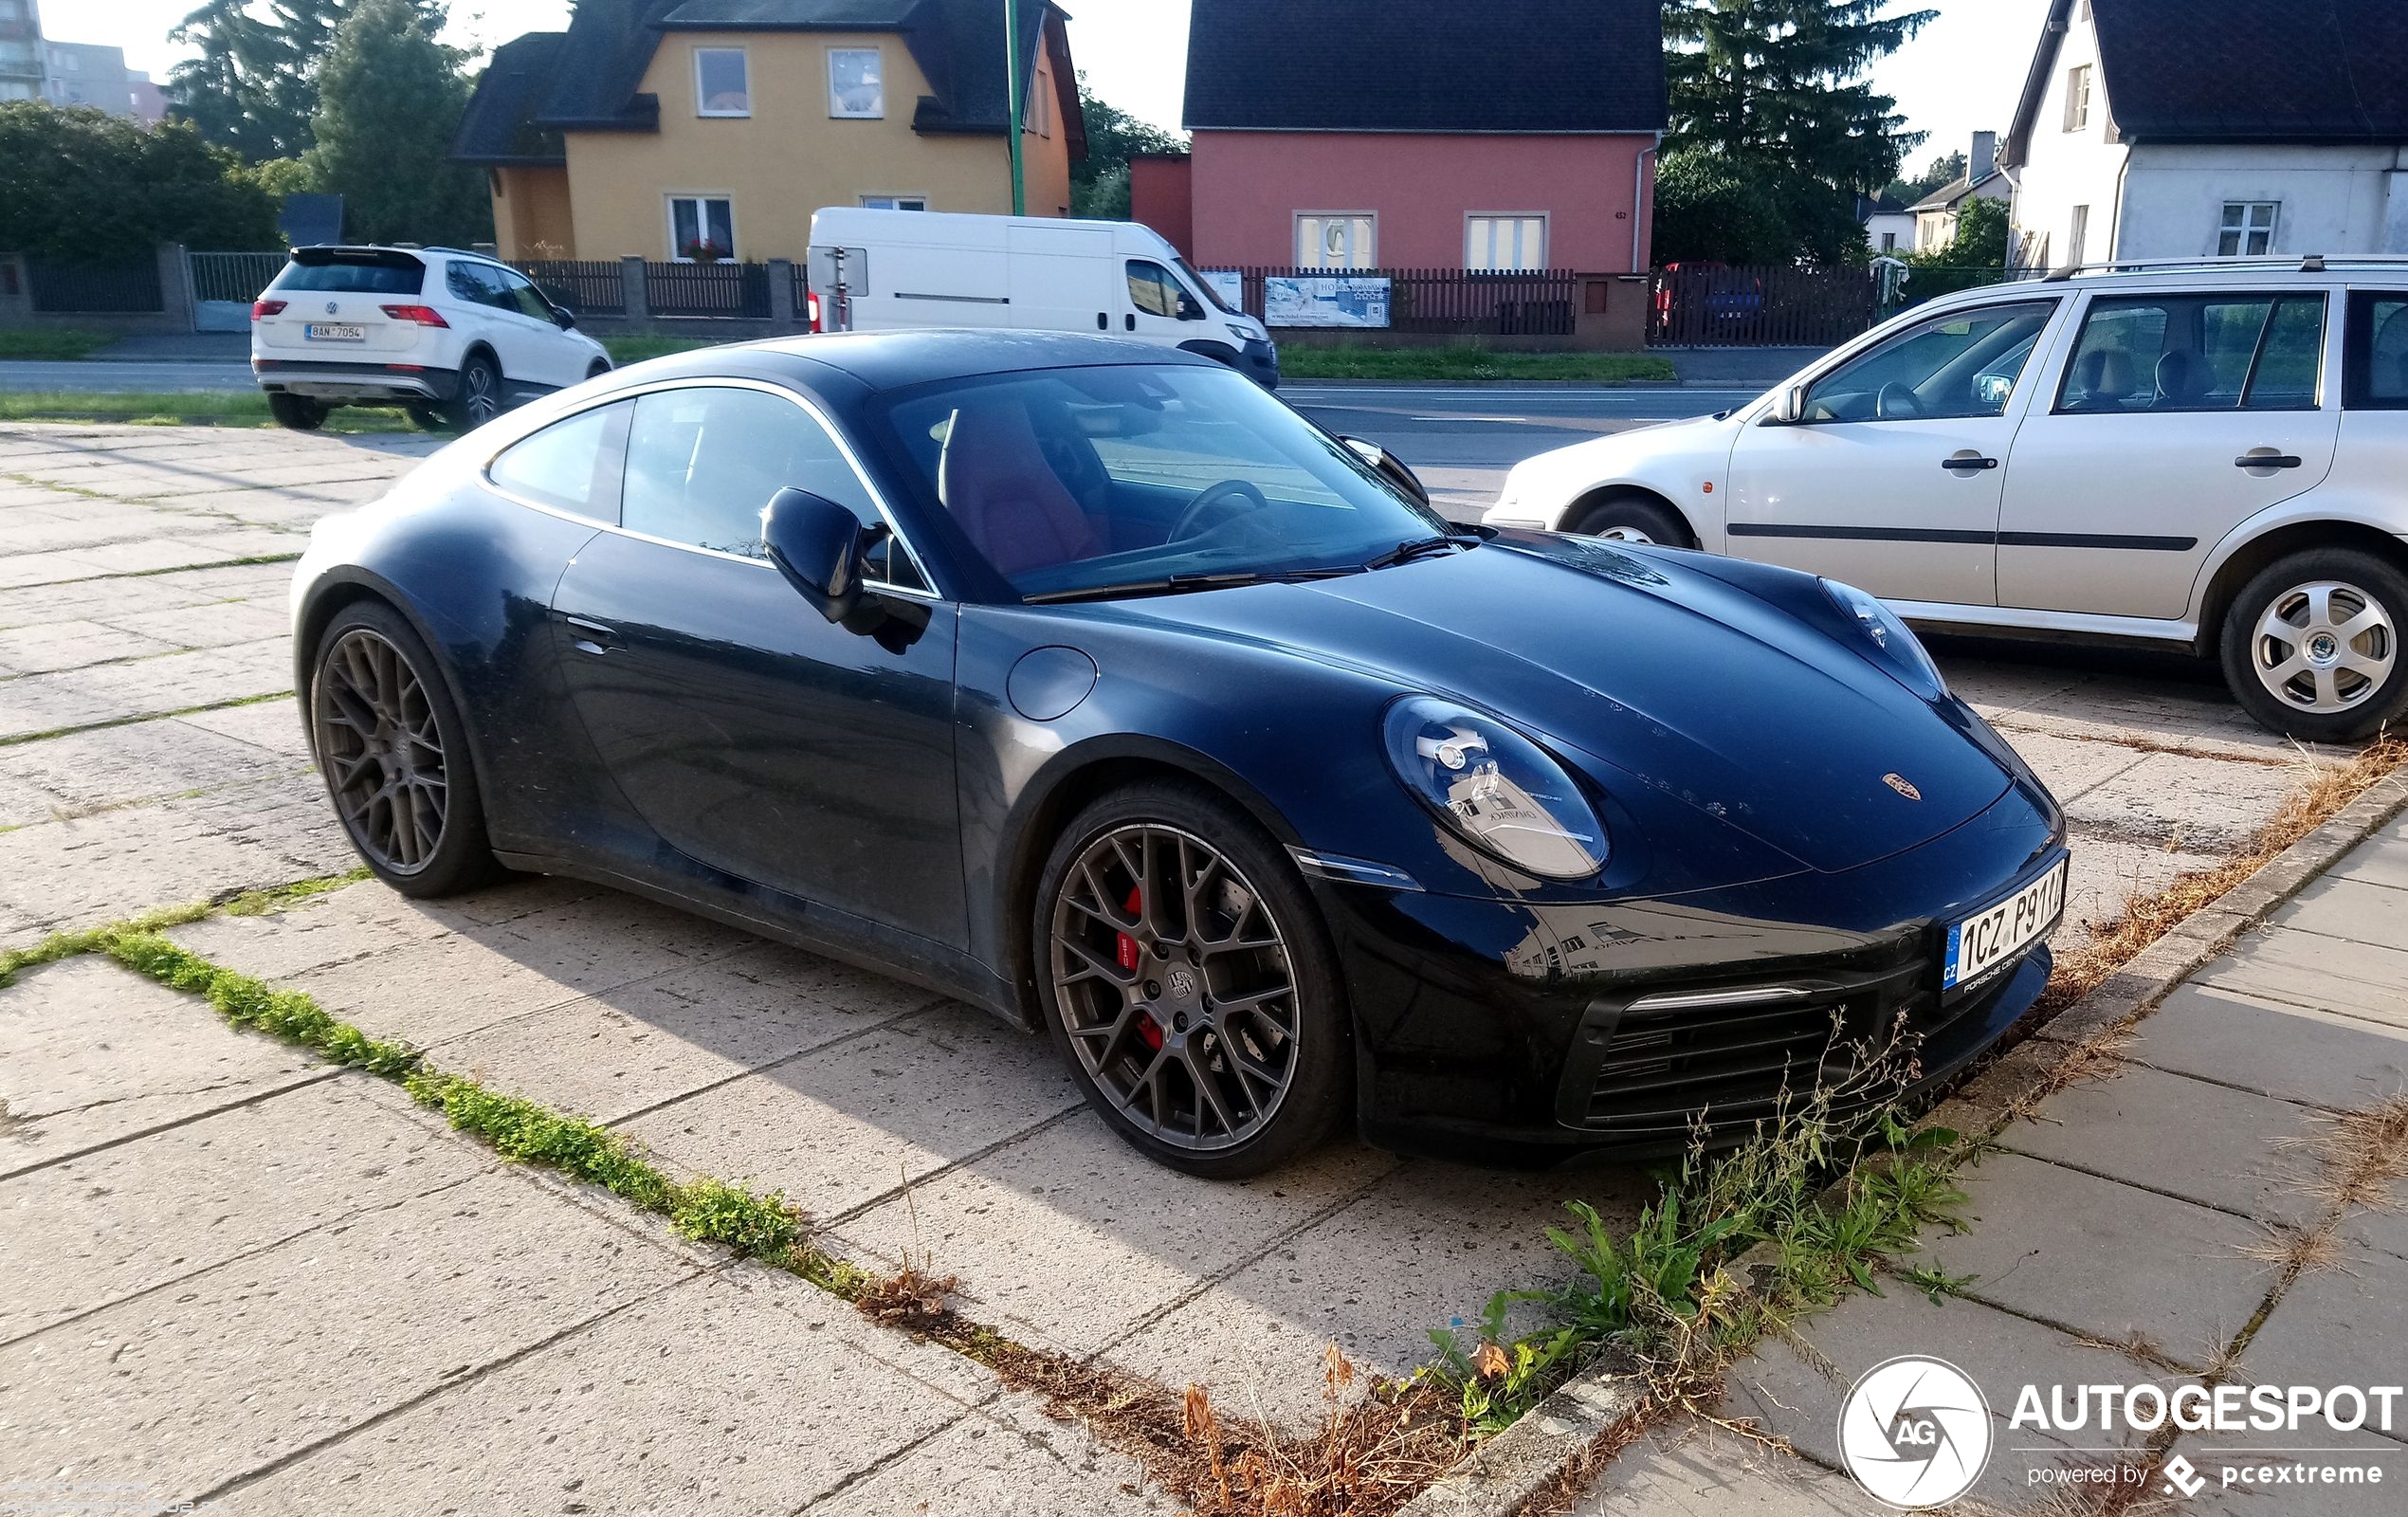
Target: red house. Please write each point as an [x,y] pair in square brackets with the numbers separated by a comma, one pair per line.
[1495,136]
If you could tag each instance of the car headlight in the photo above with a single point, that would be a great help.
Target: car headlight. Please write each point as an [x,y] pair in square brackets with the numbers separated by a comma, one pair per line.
[1496,788]
[1895,646]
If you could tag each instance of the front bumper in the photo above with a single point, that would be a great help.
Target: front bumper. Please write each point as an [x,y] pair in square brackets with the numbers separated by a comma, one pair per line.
[1525,1033]
[1259,362]
[325,380]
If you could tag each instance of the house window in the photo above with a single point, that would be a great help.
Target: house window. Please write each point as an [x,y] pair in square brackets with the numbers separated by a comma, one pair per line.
[702,228]
[1504,242]
[2077,99]
[1338,239]
[856,83]
[1889,242]
[2248,228]
[2078,239]
[723,85]
[895,202]
[1038,117]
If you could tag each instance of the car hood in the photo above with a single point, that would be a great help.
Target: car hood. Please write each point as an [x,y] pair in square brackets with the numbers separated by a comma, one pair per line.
[1646,672]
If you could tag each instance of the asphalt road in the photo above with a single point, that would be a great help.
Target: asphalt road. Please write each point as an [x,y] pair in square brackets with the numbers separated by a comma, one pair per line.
[135,376]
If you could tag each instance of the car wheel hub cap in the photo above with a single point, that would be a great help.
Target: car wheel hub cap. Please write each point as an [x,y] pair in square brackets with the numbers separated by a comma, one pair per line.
[1625,534]
[2324,646]
[1175,986]
[381,750]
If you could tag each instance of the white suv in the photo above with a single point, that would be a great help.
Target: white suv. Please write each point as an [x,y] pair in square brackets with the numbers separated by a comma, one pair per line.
[454,336]
[2212,454]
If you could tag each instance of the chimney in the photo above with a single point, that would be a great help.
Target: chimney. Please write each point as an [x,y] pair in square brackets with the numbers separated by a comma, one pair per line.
[1983,160]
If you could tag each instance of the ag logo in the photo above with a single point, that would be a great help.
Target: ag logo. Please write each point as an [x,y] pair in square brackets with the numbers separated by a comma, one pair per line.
[1915,1433]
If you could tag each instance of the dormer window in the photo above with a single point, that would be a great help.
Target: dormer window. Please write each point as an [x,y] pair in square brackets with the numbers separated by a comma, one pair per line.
[856,83]
[723,83]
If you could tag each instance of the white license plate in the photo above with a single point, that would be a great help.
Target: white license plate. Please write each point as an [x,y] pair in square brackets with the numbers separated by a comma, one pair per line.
[336,332]
[1981,942]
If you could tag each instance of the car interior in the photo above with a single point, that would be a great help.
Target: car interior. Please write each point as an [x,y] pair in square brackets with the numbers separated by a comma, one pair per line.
[1956,366]
[2196,353]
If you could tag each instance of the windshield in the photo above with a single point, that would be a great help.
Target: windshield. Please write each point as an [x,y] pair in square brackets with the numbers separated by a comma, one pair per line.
[1077,480]
[1187,271]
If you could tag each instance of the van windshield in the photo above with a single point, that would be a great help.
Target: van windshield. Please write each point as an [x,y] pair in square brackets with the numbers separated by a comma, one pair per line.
[1196,281]
[1088,484]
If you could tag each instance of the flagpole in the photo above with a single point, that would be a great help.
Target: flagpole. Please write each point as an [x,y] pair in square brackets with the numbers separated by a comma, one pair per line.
[1018,111]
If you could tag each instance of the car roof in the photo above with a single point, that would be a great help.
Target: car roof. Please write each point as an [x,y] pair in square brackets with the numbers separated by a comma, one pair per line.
[895,361]
[2309,272]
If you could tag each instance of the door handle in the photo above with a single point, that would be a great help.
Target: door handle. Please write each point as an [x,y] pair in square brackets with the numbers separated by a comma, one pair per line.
[599,637]
[1968,461]
[2267,460]
[1129,322]
[1102,322]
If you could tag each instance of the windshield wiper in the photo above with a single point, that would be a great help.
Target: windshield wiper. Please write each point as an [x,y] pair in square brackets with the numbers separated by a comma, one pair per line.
[1181,584]
[1416,548]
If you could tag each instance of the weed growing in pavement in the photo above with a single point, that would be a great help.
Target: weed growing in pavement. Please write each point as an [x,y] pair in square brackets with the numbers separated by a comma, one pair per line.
[1935,1282]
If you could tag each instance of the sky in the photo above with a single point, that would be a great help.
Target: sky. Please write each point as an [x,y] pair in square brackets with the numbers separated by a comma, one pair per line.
[1959,76]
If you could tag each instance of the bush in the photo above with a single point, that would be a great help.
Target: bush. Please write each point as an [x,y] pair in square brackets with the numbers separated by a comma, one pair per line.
[1707,208]
[81,184]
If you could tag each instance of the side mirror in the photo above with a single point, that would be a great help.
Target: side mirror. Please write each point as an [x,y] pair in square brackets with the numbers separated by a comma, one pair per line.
[560,315]
[1791,407]
[1390,467]
[816,544]
[1189,310]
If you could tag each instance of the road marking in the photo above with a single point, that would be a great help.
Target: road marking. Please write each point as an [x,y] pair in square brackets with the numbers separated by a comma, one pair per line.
[1521,419]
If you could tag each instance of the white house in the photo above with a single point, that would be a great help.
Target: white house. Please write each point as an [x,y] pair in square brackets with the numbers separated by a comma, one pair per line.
[1889,226]
[2212,128]
[1936,214]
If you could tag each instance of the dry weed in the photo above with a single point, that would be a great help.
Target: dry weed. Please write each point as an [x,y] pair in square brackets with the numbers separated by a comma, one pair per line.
[2361,1155]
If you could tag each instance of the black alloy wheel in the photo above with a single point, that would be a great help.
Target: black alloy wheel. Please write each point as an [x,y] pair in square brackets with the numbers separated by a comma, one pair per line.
[1184,971]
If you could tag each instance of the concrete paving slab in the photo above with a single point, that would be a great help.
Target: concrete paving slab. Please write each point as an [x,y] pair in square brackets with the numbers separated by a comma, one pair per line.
[1425,1246]
[897,1105]
[2072,767]
[2108,871]
[1005,1459]
[726,1394]
[2382,859]
[1696,1469]
[1072,1202]
[2337,1327]
[175,682]
[54,645]
[2308,969]
[262,1358]
[2242,1479]
[2039,1230]
[101,599]
[2196,805]
[67,776]
[212,626]
[2213,1032]
[2360,910]
[88,1231]
[91,1054]
[2209,1143]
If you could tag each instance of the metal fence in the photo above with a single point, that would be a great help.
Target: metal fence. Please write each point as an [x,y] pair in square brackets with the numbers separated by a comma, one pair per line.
[63,288]
[591,286]
[708,289]
[1451,301]
[1718,306]
[224,285]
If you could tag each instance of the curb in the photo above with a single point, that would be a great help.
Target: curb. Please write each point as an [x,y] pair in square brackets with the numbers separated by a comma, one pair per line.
[1527,1458]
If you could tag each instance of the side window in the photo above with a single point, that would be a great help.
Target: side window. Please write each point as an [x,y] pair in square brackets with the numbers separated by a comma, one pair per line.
[460,279]
[1962,365]
[570,465]
[2377,352]
[2191,353]
[702,462]
[522,296]
[1152,289]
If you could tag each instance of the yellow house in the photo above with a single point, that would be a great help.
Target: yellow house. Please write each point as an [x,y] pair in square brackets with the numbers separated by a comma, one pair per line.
[710,129]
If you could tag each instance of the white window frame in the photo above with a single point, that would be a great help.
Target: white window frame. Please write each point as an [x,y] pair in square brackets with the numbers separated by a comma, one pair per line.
[2247,227]
[894,202]
[835,107]
[700,198]
[702,103]
[1296,240]
[2080,81]
[1546,238]
[2077,237]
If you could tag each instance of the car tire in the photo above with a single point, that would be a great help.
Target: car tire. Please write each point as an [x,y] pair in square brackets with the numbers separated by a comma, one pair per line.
[478,397]
[598,368]
[393,751]
[1629,516]
[430,418]
[1219,1043]
[2311,644]
[298,412]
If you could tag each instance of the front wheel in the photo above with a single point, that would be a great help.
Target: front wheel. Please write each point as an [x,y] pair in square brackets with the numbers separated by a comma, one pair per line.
[1633,518]
[394,753]
[1187,980]
[298,412]
[2311,644]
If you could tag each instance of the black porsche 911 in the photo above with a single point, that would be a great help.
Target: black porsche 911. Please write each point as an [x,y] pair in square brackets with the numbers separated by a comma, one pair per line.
[1090,684]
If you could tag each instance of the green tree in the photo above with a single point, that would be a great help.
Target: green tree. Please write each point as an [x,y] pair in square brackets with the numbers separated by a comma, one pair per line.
[390,101]
[1776,89]
[1945,170]
[82,184]
[1099,182]
[1706,209]
[254,85]
[1976,255]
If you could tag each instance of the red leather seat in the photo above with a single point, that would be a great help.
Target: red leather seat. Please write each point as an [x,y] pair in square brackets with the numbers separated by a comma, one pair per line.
[997,483]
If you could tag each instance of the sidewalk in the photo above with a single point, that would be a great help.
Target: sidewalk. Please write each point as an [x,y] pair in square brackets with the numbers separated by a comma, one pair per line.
[2169,1221]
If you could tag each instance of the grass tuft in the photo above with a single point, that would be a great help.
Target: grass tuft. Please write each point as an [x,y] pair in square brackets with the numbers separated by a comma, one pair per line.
[1465,361]
[182,408]
[51,342]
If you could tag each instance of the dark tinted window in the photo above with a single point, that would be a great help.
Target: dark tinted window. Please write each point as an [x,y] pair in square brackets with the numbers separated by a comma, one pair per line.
[478,284]
[359,279]
[2377,352]
[572,466]
[2181,353]
[522,296]
[702,463]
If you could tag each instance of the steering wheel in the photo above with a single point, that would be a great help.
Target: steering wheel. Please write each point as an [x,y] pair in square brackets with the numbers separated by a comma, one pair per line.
[1897,402]
[1221,494]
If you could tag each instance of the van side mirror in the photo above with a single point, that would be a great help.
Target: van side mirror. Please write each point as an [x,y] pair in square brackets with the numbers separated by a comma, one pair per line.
[817,545]
[1791,407]
[1189,310]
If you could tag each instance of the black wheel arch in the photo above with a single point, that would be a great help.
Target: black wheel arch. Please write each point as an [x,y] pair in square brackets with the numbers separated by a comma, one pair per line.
[1604,494]
[2235,573]
[1205,347]
[348,586]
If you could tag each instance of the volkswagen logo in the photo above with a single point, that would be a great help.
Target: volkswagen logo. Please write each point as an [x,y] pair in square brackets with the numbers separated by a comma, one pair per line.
[1183,983]
[1915,1433]
[331,307]
[1902,786]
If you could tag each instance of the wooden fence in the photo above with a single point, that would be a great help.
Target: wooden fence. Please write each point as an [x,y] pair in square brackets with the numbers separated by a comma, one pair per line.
[708,289]
[1716,306]
[589,286]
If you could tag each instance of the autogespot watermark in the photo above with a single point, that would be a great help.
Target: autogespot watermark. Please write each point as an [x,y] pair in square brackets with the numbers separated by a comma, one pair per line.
[1917,1432]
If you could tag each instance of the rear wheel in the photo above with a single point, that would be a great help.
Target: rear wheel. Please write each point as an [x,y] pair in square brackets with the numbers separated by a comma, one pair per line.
[2311,644]
[394,753]
[479,399]
[300,412]
[1186,978]
[1629,516]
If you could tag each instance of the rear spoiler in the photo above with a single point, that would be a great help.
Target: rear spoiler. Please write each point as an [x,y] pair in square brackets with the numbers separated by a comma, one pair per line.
[379,257]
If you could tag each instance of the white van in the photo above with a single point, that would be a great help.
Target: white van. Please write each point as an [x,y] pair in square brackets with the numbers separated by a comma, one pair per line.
[890,270]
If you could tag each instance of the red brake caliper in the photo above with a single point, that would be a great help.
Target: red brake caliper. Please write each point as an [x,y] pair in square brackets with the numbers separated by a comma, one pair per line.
[1147,1027]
